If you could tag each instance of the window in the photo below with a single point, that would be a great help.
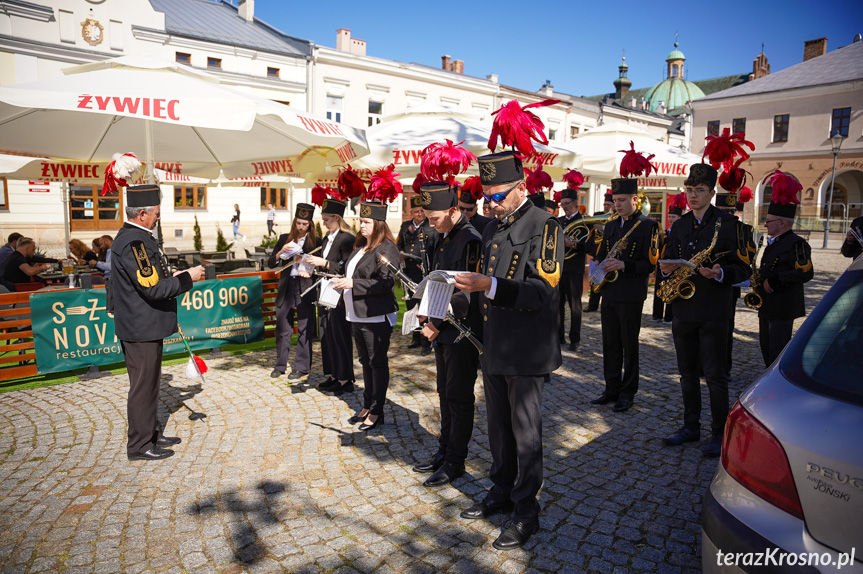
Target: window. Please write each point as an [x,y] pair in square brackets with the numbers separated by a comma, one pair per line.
[738,126]
[90,211]
[190,197]
[713,128]
[376,111]
[334,108]
[552,135]
[841,121]
[673,70]
[183,58]
[573,131]
[4,195]
[278,197]
[214,62]
[272,72]
[780,128]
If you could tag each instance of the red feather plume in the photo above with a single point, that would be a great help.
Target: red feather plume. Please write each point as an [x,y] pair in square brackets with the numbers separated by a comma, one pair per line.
[320,193]
[634,162]
[202,366]
[537,180]
[745,195]
[518,128]
[573,178]
[418,181]
[725,148]
[582,209]
[556,196]
[680,201]
[445,161]
[474,186]
[384,186]
[734,177]
[784,188]
[349,183]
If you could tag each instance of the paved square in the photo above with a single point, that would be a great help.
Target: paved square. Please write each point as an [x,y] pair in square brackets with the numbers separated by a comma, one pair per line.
[271,478]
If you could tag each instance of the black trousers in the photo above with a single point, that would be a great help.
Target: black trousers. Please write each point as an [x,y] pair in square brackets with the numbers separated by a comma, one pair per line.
[773,335]
[702,344]
[337,346]
[144,364]
[514,405]
[302,310]
[594,299]
[730,341]
[621,325]
[373,343]
[571,290]
[456,376]
[270,227]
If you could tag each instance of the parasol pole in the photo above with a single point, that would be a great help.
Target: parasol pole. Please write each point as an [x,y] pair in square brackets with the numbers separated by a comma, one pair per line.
[64,192]
[150,159]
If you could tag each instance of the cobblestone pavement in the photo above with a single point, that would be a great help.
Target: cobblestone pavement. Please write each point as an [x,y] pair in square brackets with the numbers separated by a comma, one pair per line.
[270,477]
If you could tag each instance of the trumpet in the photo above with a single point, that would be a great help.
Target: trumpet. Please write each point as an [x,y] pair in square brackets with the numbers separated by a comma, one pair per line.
[753,299]
[579,230]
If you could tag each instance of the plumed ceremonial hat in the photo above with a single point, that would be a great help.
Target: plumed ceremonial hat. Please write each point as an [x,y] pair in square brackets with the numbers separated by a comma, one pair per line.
[143,195]
[373,210]
[438,196]
[416,201]
[500,168]
[625,186]
[304,211]
[334,207]
[702,173]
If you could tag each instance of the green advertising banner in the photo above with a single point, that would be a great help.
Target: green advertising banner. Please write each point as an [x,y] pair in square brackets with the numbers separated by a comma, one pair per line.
[73,330]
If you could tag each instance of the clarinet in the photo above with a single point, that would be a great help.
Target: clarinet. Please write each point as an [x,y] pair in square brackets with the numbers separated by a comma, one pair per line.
[463,331]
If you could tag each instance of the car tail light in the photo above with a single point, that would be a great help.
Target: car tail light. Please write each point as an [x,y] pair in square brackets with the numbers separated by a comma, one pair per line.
[753,456]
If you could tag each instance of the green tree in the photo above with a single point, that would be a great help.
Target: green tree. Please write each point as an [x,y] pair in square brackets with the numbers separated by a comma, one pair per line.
[221,242]
[199,243]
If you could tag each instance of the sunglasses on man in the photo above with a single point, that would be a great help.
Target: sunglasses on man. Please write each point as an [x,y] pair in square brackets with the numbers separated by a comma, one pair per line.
[498,197]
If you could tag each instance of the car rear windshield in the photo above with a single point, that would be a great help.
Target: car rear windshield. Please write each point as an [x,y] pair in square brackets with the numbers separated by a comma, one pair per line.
[826,354]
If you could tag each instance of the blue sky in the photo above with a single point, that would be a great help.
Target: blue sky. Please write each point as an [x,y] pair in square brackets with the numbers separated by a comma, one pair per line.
[575,45]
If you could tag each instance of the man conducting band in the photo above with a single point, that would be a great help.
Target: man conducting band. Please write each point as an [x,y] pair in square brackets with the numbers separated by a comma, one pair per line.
[145,312]
[457,248]
[628,253]
[700,323]
[521,265]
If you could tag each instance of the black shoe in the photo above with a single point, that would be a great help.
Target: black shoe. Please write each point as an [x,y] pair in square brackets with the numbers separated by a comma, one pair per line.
[622,405]
[445,475]
[276,373]
[296,375]
[516,535]
[168,441]
[432,466]
[589,309]
[378,421]
[712,449]
[573,347]
[342,389]
[328,385]
[488,507]
[414,345]
[357,418]
[425,351]
[603,399]
[154,453]
[680,437]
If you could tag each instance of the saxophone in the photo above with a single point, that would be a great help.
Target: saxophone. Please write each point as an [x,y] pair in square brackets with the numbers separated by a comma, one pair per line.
[753,298]
[678,284]
[613,253]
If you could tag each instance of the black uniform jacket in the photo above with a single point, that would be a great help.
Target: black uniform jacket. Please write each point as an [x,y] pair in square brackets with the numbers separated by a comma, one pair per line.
[639,258]
[525,253]
[343,246]
[415,243]
[374,282]
[479,222]
[853,248]
[712,299]
[460,250]
[143,292]
[285,276]
[575,264]
[786,265]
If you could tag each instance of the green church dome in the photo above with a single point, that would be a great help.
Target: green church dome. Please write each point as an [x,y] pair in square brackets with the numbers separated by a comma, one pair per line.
[675,54]
[675,92]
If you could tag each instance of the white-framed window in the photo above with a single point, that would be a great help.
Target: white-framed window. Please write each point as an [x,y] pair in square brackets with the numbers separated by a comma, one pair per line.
[335,105]
[552,134]
[573,131]
[376,113]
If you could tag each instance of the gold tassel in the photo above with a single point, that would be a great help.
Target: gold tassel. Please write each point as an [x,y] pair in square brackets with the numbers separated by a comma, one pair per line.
[148,281]
[552,278]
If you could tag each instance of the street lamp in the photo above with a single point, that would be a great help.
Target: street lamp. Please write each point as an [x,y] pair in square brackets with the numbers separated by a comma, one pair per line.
[836,143]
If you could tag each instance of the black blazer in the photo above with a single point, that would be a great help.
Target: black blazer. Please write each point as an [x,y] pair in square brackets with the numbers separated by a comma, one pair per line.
[343,246]
[479,222]
[786,265]
[285,276]
[373,281]
[639,257]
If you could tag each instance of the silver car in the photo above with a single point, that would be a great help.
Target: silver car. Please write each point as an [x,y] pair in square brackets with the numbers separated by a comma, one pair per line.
[788,495]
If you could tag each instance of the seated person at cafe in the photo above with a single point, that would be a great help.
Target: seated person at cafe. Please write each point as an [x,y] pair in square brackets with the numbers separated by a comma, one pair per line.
[20,267]
[80,252]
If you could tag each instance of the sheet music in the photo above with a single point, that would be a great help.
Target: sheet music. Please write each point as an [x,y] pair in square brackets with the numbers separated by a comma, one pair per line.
[597,275]
[329,297]
[435,299]
[293,249]
[410,322]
